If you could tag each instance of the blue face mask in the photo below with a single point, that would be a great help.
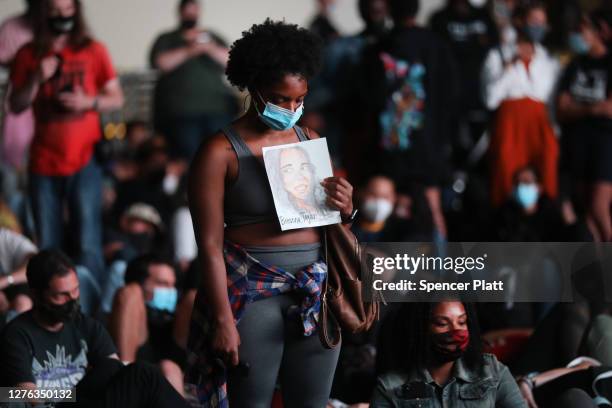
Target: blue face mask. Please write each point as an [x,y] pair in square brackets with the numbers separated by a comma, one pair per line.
[536,33]
[279,118]
[527,194]
[164,299]
[578,44]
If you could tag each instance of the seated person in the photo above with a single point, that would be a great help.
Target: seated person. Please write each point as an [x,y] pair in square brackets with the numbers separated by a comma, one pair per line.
[55,346]
[15,251]
[377,200]
[574,386]
[386,216]
[139,233]
[528,214]
[142,317]
[153,179]
[432,352]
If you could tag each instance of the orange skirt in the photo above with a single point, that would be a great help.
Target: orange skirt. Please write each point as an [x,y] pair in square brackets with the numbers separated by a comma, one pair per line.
[522,136]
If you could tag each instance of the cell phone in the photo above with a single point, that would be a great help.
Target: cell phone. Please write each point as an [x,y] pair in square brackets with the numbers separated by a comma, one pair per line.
[204,38]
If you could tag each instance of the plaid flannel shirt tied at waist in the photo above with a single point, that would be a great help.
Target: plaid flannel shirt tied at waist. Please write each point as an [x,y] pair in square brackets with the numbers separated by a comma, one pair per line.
[248,280]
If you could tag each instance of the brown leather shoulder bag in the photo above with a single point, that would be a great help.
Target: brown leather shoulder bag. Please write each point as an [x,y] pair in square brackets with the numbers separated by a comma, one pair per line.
[342,304]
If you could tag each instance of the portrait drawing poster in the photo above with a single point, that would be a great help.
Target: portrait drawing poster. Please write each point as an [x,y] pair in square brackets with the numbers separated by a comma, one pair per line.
[295,172]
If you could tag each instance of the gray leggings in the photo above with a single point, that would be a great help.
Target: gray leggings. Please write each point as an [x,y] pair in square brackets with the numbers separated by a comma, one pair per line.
[274,346]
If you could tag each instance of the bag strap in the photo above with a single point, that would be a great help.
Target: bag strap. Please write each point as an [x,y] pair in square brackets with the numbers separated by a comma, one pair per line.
[325,256]
[326,315]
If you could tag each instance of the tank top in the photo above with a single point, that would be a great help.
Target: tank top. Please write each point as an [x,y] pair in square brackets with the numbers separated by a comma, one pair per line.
[249,199]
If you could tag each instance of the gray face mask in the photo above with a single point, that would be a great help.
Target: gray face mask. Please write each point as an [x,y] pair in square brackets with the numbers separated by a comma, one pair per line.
[536,32]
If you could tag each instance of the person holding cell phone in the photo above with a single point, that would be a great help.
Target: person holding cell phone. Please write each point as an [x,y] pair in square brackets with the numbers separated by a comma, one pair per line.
[191,101]
[255,313]
[68,78]
[430,356]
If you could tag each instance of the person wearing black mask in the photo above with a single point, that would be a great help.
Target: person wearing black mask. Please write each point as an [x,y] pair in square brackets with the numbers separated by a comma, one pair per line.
[431,354]
[67,77]
[140,232]
[321,24]
[54,325]
[55,346]
[191,101]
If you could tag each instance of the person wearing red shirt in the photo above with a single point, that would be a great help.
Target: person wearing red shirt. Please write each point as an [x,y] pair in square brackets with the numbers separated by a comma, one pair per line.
[67,77]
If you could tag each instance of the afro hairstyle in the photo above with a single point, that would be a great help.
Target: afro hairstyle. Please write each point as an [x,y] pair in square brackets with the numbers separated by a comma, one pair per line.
[269,51]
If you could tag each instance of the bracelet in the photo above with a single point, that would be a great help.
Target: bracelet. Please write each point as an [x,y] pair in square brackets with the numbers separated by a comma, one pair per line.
[10,280]
[529,381]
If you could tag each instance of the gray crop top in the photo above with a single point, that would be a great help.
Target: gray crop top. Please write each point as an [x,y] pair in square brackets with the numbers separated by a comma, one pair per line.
[249,199]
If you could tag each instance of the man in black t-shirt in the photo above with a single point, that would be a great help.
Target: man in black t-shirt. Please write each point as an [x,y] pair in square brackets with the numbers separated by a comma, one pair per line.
[55,346]
[470,33]
[585,112]
[408,86]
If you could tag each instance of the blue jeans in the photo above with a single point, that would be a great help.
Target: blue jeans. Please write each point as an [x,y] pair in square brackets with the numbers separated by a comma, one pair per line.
[185,133]
[82,193]
[89,290]
[115,281]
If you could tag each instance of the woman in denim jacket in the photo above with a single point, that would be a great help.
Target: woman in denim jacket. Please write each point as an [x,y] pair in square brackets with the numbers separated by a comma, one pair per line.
[430,357]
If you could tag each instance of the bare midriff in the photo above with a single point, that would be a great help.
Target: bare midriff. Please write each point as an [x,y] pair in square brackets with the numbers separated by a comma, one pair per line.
[268,234]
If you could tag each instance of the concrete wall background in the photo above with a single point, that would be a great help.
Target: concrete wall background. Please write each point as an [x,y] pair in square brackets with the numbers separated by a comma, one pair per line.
[128,27]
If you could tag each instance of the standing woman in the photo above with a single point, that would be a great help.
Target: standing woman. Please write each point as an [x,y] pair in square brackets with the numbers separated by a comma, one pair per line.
[67,77]
[518,83]
[255,312]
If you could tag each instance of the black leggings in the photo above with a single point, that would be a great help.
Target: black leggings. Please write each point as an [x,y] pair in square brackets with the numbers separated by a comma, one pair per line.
[110,384]
[274,346]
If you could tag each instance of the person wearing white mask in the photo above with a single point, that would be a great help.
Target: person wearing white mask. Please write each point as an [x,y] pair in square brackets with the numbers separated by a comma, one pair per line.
[377,203]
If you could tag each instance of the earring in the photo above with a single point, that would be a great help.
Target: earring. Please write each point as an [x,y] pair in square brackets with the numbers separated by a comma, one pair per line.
[244,104]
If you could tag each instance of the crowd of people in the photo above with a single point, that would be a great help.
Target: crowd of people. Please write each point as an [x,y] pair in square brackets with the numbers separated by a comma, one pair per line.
[154,273]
